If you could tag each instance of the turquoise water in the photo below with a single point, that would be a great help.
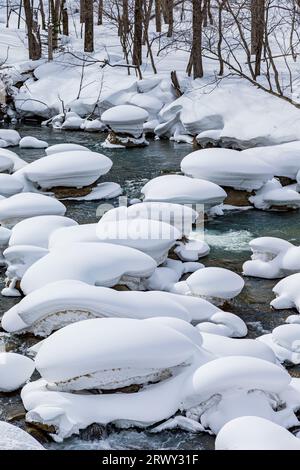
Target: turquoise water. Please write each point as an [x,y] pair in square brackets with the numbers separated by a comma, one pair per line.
[228,237]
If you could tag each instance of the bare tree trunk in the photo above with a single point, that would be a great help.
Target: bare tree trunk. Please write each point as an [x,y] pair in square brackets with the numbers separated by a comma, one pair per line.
[34,43]
[89,26]
[170,4]
[82,11]
[197,39]
[158,15]
[257,32]
[138,33]
[65,18]
[42,11]
[50,42]
[147,14]
[125,17]
[19,14]
[100,12]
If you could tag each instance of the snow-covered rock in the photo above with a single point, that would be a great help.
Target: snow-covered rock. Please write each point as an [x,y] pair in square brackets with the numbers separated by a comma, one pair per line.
[285,342]
[213,284]
[17,161]
[75,169]
[94,263]
[255,433]
[14,438]
[15,370]
[275,196]
[152,237]
[227,168]
[112,353]
[223,346]
[180,216]
[183,190]
[272,258]
[10,136]
[58,304]
[287,293]
[5,234]
[125,119]
[58,148]
[37,230]
[30,142]
[94,125]
[23,205]
[6,164]
[9,185]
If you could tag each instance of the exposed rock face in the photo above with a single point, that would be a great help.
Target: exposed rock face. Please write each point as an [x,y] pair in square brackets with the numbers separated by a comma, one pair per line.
[125,140]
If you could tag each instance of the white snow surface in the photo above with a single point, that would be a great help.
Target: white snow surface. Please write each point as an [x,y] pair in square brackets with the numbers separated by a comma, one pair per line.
[14,438]
[15,370]
[30,142]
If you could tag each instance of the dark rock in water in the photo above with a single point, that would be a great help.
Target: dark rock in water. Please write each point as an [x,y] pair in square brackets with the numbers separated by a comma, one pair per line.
[126,140]
[93,432]
[121,287]
[42,427]
[285,181]
[15,412]
[236,197]
[62,192]
[38,434]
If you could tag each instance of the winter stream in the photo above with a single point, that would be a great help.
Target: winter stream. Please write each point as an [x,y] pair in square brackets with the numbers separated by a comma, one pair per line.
[228,237]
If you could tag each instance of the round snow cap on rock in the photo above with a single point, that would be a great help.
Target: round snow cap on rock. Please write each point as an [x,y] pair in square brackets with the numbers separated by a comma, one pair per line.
[124,113]
[59,148]
[255,433]
[9,185]
[6,164]
[15,370]
[29,142]
[14,438]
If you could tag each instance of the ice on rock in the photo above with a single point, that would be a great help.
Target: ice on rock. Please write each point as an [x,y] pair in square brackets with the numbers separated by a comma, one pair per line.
[59,148]
[14,438]
[287,293]
[6,164]
[15,370]
[23,205]
[214,284]
[77,169]
[10,136]
[37,230]
[183,190]
[152,237]
[272,258]
[94,263]
[9,185]
[255,433]
[112,353]
[223,346]
[17,161]
[125,119]
[234,386]
[180,216]
[29,142]
[227,167]
[275,196]
[285,342]
[57,304]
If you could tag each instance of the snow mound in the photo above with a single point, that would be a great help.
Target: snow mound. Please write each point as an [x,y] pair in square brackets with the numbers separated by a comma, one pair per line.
[17,161]
[93,263]
[274,195]
[57,304]
[227,168]
[183,190]
[152,237]
[30,142]
[272,258]
[10,136]
[125,119]
[6,164]
[285,342]
[76,168]
[23,205]
[287,293]
[59,148]
[37,230]
[180,216]
[255,433]
[9,185]
[14,438]
[213,284]
[15,370]
[112,353]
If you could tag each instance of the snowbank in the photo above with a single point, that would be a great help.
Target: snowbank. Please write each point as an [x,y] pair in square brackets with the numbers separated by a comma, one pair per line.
[14,438]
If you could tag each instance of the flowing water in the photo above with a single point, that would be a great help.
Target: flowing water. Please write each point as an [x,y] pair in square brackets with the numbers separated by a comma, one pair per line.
[228,237]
